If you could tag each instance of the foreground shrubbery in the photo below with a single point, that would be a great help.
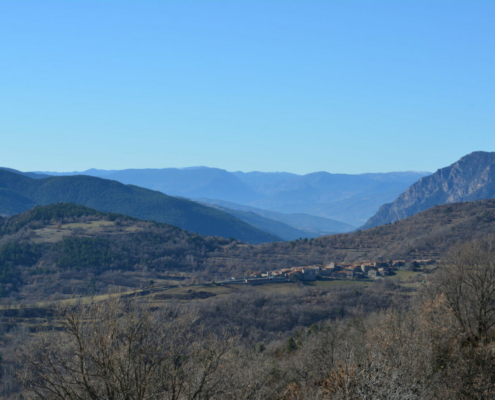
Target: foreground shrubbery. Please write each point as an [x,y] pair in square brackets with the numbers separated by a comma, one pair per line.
[121,350]
[440,345]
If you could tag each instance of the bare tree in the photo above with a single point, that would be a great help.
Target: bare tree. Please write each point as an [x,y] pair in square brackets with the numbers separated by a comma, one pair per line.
[467,279]
[121,350]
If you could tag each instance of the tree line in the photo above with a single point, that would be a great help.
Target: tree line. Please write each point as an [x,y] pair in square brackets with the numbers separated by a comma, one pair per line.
[436,345]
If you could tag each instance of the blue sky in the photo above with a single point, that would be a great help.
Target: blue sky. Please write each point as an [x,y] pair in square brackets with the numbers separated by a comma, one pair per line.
[298,86]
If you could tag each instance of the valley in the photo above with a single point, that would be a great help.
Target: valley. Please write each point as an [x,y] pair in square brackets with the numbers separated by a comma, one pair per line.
[247,200]
[339,200]
[280,297]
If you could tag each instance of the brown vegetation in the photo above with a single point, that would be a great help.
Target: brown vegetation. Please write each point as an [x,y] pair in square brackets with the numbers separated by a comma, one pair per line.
[421,348]
[92,252]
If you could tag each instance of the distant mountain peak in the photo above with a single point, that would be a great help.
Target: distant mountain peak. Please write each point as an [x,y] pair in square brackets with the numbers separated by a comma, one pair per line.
[199,167]
[470,178]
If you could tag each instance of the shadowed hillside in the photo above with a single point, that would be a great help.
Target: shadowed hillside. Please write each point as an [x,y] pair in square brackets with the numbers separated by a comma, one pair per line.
[66,248]
[111,196]
[311,225]
[347,198]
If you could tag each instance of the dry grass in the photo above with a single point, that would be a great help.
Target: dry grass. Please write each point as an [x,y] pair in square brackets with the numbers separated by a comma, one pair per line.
[209,288]
[55,233]
[404,275]
[88,225]
[216,289]
[281,288]
[66,302]
[335,283]
[49,235]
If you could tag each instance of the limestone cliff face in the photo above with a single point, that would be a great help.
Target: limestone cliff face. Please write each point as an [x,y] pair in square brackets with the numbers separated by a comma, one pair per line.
[470,178]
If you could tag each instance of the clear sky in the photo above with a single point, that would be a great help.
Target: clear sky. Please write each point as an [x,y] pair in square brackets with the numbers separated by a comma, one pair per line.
[298,86]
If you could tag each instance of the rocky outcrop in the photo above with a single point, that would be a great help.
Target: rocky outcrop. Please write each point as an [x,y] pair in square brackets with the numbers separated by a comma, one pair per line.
[470,178]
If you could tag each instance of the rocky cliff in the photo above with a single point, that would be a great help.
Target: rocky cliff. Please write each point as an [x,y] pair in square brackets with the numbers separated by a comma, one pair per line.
[470,178]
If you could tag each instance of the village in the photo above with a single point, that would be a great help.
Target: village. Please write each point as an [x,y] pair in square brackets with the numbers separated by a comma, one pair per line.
[332,270]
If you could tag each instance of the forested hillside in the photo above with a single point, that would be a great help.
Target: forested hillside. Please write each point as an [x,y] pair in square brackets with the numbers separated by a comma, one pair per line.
[291,340]
[341,343]
[428,234]
[66,248]
[280,229]
[69,249]
[20,193]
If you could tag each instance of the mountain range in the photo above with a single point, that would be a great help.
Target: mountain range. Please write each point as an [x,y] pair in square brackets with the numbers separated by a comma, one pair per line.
[306,225]
[470,178]
[432,215]
[19,192]
[350,199]
[256,206]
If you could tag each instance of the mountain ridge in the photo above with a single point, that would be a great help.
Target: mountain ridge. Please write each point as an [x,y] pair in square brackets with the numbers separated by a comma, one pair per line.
[470,178]
[347,198]
[277,228]
[112,196]
[312,225]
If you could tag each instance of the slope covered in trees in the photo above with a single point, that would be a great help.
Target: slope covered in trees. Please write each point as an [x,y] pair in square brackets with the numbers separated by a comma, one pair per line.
[59,246]
[347,342]
[381,344]
[428,234]
[111,196]
[72,249]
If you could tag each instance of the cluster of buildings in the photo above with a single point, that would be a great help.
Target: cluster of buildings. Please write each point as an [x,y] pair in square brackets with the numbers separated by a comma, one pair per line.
[358,270]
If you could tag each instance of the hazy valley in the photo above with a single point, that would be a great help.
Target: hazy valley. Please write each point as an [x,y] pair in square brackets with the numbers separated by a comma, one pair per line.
[251,263]
[247,200]
[349,199]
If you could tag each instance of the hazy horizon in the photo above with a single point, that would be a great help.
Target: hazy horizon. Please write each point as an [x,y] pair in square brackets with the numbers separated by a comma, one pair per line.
[206,167]
[296,86]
